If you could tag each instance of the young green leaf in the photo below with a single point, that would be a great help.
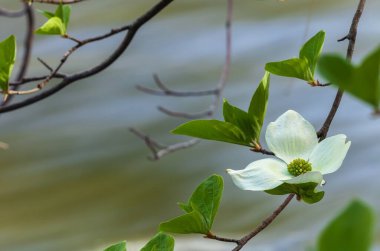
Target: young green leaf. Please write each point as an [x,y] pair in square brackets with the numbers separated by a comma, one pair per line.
[304,66]
[7,60]
[57,23]
[189,223]
[312,49]
[240,127]
[294,68]
[160,242]
[241,119]
[54,26]
[258,105]
[213,130]
[363,81]
[352,230]
[122,246]
[200,209]
[63,12]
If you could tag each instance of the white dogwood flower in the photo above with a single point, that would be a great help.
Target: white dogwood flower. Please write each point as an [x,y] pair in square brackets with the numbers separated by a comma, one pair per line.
[302,159]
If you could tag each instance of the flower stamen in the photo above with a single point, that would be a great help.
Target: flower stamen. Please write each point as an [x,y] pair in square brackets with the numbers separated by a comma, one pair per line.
[299,166]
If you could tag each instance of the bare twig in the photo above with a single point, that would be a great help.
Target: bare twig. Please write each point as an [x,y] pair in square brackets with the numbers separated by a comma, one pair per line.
[206,113]
[218,238]
[209,112]
[159,150]
[165,91]
[351,36]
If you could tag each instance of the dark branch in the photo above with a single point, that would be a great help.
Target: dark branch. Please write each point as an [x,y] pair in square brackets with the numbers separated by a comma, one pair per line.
[132,30]
[351,36]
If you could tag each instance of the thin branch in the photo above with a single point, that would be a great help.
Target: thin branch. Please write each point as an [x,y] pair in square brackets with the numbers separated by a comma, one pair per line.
[45,64]
[206,113]
[214,237]
[216,92]
[34,79]
[159,150]
[165,91]
[264,224]
[132,30]
[351,36]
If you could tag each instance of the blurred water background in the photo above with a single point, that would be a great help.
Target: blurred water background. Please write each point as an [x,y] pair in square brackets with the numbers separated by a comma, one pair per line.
[74,178]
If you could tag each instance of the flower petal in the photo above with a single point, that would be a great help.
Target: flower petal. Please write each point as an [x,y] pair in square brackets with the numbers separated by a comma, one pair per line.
[329,154]
[260,175]
[315,177]
[291,137]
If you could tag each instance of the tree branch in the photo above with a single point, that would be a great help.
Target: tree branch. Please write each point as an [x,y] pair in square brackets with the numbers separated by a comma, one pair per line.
[132,30]
[351,36]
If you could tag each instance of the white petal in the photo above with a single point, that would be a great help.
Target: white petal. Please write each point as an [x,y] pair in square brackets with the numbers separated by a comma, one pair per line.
[260,175]
[291,137]
[329,154]
[315,177]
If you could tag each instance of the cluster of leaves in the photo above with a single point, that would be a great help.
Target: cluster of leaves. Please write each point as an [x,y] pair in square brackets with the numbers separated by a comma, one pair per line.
[239,127]
[57,22]
[56,25]
[200,212]
[351,230]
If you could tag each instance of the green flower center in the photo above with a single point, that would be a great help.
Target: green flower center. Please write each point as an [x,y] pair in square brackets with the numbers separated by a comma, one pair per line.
[298,167]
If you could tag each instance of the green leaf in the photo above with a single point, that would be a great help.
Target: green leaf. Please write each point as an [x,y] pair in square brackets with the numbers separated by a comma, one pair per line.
[258,105]
[213,130]
[294,68]
[186,224]
[47,14]
[160,242]
[54,26]
[352,230]
[241,119]
[304,66]
[305,190]
[363,81]
[63,12]
[7,60]
[200,209]
[57,23]
[312,49]
[122,246]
